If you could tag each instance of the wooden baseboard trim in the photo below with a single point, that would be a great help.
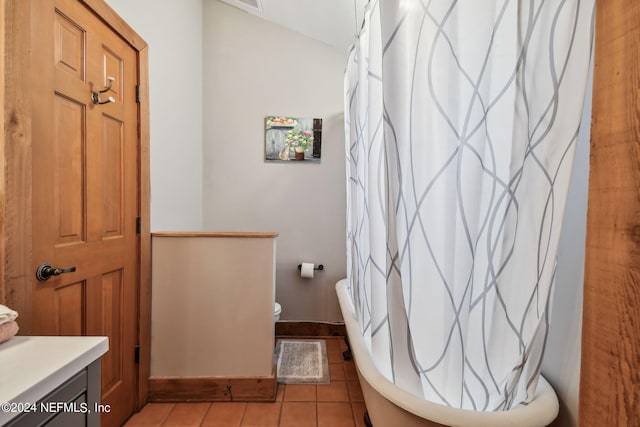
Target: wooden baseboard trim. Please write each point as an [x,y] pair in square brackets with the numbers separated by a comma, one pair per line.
[310,329]
[213,389]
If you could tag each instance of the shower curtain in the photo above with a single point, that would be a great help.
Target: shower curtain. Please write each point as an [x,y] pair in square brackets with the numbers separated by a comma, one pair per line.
[461,124]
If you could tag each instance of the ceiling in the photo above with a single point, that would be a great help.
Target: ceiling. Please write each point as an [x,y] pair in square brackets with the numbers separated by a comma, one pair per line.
[334,22]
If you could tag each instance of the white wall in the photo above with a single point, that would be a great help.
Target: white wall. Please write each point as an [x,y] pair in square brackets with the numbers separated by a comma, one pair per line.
[561,364]
[253,68]
[173,31]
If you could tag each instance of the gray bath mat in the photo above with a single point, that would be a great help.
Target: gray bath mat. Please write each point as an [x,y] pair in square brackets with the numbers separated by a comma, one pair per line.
[302,362]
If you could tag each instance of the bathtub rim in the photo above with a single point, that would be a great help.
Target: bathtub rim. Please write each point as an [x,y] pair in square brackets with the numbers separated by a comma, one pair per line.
[541,411]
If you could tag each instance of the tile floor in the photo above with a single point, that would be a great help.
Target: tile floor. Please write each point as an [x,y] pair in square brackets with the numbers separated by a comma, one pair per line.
[339,404]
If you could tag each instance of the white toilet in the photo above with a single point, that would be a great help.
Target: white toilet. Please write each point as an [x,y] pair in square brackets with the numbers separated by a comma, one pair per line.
[277,309]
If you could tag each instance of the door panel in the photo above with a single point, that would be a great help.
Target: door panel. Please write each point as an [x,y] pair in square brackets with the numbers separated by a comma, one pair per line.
[112,292]
[69,302]
[69,183]
[112,66]
[85,191]
[69,46]
[112,155]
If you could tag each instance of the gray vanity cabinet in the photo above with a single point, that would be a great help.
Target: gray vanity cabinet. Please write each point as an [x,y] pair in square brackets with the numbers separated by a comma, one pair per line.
[72,404]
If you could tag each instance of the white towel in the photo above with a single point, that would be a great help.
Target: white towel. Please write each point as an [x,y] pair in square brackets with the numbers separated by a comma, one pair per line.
[6,314]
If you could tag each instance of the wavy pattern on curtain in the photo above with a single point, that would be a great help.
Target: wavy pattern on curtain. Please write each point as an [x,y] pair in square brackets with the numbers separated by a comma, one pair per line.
[461,124]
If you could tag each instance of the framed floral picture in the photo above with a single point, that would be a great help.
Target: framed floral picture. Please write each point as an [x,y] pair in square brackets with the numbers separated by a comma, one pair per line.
[292,139]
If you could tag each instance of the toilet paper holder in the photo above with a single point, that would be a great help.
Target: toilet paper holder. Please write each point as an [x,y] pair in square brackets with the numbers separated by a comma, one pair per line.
[318,267]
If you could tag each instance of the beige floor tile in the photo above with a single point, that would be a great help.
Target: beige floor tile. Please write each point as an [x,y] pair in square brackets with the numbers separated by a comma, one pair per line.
[335,414]
[187,414]
[355,391]
[334,355]
[336,372]
[224,414]
[350,371]
[298,414]
[153,414]
[261,415]
[334,392]
[300,393]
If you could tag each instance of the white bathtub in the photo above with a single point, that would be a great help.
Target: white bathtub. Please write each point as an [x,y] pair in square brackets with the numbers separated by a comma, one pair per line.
[390,406]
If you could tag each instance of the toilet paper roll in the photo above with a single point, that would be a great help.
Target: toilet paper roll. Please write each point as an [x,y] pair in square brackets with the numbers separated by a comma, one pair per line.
[306,271]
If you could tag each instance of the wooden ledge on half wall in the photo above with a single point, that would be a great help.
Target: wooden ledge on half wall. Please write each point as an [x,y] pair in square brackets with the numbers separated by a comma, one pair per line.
[225,234]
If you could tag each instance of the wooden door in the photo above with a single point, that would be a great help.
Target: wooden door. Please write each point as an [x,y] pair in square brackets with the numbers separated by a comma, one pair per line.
[610,370]
[85,197]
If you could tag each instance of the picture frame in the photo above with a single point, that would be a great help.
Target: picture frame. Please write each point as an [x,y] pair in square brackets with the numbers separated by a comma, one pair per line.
[292,139]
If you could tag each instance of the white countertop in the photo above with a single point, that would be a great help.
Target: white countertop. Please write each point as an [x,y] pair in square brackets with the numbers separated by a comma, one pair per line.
[31,367]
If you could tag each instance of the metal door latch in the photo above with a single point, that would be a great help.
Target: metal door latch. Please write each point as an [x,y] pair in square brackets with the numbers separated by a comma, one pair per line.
[46,271]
